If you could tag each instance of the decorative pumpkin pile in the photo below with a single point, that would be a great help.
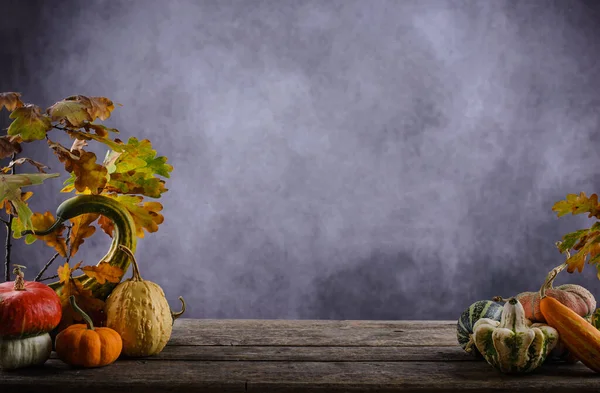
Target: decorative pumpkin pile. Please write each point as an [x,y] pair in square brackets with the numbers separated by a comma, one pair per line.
[559,323]
[28,312]
[138,318]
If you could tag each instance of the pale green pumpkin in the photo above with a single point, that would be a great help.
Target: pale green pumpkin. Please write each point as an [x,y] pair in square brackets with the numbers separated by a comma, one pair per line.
[513,344]
[25,352]
[138,310]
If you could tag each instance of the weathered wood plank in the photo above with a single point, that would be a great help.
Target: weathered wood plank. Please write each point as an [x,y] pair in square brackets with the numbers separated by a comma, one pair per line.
[242,376]
[313,333]
[311,354]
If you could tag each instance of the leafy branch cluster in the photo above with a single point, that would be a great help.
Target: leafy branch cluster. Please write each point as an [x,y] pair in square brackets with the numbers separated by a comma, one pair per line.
[586,242]
[129,173]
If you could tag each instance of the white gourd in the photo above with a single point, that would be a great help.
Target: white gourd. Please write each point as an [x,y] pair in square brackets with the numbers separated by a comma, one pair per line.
[25,352]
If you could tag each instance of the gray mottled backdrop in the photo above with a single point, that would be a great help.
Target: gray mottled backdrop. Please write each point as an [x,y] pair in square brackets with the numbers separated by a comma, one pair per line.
[333,159]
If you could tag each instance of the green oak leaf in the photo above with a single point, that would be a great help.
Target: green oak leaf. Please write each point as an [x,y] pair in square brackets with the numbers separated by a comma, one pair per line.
[29,123]
[10,190]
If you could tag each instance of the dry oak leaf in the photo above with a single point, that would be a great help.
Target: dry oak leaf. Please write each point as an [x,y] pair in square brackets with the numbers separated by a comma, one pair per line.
[578,204]
[577,260]
[10,101]
[104,272]
[29,123]
[8,146]
[116,144]
[54,239]
[144,214]
[86,300]
[20,161]
[88,174]
[99,107]
[83,296]
[65,271]
[77,111]
[78,145]
[99,129]
[82,229]
[107,225]
[134,182]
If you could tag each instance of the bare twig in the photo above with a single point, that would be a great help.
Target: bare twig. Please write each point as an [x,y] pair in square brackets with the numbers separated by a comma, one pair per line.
[47,265]
[48,278]
[8,224]
[68,243]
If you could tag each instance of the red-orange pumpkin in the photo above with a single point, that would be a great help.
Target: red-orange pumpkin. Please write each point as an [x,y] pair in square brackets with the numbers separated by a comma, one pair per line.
[27,308]
[575,297]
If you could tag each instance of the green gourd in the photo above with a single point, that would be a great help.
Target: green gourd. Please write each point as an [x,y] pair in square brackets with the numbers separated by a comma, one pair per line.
[124,234]
[464,326]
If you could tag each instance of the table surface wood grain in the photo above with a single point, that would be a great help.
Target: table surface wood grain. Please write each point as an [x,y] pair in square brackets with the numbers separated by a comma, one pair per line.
[302,356]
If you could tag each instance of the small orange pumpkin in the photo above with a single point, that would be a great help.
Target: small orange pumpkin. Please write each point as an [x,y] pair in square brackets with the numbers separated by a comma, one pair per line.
[82,345]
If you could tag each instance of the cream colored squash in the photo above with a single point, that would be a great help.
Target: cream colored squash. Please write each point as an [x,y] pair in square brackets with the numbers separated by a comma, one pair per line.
[138,310]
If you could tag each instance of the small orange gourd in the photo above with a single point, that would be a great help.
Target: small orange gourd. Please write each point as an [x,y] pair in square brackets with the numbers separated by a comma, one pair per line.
[581,338]
[82,345]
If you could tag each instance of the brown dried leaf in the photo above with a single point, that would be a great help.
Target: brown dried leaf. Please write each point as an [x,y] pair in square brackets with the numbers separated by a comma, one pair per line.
[107,225]
[103,272]
[8,147]
[88,174]
[20,161]
[78,145]
[54,239]
[82,229]
[10,101]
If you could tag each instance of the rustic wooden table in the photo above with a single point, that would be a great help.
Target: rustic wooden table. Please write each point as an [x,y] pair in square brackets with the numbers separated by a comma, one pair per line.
[301,355]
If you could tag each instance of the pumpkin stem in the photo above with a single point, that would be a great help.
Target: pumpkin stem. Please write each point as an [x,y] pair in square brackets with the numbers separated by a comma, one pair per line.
[19,279]
[550,278]
[176,315]
[136,270]
[86,317]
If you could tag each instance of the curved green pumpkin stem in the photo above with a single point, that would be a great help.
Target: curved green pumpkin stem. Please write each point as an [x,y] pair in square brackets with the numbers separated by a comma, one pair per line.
[124,234]
[86,317]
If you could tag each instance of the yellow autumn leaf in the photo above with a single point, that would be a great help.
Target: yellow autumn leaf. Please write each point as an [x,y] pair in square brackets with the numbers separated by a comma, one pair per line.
[54,239]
